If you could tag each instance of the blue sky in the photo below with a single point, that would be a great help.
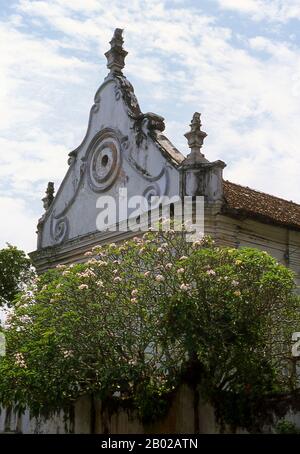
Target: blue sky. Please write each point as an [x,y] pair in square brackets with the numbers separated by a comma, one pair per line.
[237,62]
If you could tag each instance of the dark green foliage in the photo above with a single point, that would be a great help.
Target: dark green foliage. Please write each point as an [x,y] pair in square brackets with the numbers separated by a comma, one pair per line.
[15,271]
[137,319]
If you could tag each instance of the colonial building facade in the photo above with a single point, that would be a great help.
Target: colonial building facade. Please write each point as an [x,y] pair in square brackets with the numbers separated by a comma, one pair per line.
[125,148]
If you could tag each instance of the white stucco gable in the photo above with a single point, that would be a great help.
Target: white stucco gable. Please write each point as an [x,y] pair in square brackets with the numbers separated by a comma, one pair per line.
[123,148]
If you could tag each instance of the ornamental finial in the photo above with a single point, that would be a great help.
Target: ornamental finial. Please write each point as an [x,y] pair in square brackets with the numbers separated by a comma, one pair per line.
[49,196]
[195,138]
[116,55]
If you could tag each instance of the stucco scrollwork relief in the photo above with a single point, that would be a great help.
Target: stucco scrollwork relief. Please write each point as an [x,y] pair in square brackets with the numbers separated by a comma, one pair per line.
[124,89]
[153,190]
[59,223]
[145,125]
[158,182]
[96,105]
[59,228]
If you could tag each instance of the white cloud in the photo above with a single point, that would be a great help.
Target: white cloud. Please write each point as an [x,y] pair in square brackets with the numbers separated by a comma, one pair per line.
[18,224]
[272,10]
[26,162]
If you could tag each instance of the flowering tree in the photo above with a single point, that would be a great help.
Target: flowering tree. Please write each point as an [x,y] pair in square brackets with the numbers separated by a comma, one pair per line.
[15,271]
[138,318]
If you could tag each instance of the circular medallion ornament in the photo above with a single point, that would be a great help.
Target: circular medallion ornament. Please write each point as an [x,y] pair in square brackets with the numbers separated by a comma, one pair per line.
[104,161]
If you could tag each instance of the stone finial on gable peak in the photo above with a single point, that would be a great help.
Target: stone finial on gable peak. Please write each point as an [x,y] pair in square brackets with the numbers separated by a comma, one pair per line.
[48,199]
[116,54]
[200,176]
[195,138]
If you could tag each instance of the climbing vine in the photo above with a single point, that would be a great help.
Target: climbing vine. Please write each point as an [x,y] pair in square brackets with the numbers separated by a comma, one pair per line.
[138,318]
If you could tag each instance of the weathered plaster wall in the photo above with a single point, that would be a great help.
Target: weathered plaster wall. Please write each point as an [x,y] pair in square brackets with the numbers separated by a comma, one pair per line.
[280,242]
[188,414]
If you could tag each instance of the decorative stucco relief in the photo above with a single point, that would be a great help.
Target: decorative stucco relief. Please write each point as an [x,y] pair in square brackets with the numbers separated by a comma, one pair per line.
[101,166]
[124,89]
[59,228]
[104,161]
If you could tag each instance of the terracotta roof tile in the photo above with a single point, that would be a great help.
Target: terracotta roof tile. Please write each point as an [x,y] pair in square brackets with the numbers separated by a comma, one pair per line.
[243,201]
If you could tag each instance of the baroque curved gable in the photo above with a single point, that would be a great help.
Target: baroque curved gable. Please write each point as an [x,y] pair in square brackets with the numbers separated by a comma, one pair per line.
[123,148]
